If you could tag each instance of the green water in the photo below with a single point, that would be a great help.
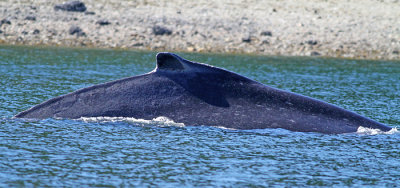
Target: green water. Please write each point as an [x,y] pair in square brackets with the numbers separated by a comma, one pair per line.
[127,153]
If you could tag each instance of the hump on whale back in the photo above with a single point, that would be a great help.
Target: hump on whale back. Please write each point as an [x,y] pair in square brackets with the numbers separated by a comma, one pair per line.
[169,61]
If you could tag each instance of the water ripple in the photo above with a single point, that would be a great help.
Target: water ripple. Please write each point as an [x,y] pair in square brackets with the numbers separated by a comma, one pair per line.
[119,152]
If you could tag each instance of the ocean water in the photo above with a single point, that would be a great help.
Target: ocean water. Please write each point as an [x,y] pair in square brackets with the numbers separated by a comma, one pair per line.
[121,152]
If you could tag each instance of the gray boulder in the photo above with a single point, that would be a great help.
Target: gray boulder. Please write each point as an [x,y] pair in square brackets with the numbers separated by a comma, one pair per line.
[103,22]
[5,21]
[72,6]
[75,30]
[31,18]
[159,30]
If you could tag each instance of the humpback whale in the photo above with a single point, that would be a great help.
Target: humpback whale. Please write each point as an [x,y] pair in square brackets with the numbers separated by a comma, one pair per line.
[199,94]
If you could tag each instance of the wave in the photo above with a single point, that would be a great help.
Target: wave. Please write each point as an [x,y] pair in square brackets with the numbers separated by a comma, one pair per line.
[158,121]
[166,122]
[369,131]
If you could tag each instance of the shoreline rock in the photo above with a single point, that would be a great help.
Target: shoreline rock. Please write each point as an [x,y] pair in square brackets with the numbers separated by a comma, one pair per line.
[73,6]
[341,28]
[75,30]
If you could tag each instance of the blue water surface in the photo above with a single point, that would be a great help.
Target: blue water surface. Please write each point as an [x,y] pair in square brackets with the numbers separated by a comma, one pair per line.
[77,153]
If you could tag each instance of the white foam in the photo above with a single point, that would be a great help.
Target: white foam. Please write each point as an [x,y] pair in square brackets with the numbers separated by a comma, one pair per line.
[369,131]
[159,121]
[226,128]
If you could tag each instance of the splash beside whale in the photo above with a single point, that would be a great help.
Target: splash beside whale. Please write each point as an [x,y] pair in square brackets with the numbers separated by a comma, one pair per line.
[198,94]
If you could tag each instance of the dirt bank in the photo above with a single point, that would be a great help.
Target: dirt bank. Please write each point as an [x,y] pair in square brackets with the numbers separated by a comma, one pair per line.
[337,28]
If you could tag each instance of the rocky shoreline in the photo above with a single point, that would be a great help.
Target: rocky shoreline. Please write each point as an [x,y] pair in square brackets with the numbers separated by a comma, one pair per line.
[343,28]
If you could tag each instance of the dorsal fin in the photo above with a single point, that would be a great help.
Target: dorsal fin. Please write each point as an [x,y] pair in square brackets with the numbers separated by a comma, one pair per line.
[169,61]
